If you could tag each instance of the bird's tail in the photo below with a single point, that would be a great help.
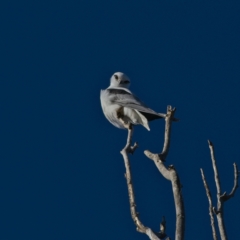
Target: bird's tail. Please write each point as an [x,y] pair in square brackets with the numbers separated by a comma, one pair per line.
[163,115]
[142,120]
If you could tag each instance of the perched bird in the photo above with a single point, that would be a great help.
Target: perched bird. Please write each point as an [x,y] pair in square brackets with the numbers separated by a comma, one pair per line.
[122,108]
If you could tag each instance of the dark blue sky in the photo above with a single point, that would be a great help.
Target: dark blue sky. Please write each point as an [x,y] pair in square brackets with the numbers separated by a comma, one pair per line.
[61,173]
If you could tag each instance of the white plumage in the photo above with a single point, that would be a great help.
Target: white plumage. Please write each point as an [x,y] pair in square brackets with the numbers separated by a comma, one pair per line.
[122,108]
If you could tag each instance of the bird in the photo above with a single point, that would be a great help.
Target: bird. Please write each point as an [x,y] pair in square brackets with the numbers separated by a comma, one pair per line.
[122,108]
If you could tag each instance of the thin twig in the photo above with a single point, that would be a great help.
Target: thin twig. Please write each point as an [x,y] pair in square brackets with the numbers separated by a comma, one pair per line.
[225,196]
[167,135]
[235,186]
[215,170]
[163,225]
[171,175]
[210,205]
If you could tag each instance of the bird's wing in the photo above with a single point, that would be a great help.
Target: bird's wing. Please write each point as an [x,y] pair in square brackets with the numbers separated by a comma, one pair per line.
[126,99]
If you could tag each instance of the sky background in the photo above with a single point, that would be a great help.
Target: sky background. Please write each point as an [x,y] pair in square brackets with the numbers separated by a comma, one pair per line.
[61,172]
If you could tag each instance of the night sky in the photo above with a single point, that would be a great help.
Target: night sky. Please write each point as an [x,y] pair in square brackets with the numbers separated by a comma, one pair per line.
[61,171]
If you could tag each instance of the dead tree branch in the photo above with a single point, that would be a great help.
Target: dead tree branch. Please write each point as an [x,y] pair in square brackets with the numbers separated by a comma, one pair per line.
[171,174]
[221,198]
[135,215]
[210,205]
[219,210]
[225,196]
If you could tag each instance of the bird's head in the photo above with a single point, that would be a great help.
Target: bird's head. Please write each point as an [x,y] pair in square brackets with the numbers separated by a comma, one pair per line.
[119,79]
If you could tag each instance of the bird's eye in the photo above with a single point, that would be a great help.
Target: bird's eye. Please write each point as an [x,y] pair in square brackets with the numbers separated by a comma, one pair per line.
[116,77]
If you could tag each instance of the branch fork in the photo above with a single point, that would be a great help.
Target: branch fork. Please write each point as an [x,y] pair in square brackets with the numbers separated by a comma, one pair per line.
[221,198]
[169,174]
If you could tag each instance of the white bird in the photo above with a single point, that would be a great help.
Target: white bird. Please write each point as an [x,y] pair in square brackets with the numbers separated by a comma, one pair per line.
[122,108]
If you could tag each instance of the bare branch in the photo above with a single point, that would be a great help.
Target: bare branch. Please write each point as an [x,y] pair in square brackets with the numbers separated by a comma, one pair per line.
[159,164]
[128,149]
[135,215]
[221,198]
[226,197]
[210,205]
[166,145]
[171,175]
[217,181]
[151,234]
[219,211]
[236,175]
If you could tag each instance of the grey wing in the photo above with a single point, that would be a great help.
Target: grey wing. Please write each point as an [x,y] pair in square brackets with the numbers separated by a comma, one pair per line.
[129,100]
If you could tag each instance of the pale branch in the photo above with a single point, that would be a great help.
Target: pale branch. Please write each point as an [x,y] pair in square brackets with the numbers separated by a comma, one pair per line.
[167,135]
[128,149]
[219,210]
[151,234]
[208,193]
[215,170]
[155,236]
[171,175]
[159,164]
[221,198]
[225,196]
[135,215]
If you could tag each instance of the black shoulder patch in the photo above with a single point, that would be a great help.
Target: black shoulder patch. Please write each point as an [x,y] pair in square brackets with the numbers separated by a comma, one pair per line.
[118,91]
[150,116]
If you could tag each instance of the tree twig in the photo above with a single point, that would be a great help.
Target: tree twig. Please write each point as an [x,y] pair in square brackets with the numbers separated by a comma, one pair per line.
[163,225]
[225,196]
[171,175]
[210,205]
[167,135]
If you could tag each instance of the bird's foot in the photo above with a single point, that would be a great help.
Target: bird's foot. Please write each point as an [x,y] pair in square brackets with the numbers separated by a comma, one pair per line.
[120,117]
[125,124]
